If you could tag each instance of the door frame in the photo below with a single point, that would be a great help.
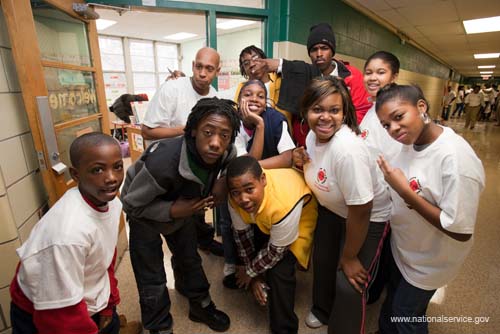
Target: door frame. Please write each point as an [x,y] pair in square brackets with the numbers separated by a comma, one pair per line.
[30,70]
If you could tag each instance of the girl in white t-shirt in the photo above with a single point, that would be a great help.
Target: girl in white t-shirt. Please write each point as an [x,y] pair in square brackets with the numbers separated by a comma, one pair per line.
[355,207]
[436,182]
[381,69]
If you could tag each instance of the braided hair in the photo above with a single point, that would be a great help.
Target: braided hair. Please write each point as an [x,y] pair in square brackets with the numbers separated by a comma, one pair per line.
[213,105]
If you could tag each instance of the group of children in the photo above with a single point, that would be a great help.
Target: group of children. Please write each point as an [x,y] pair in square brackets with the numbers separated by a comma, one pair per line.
[330,202]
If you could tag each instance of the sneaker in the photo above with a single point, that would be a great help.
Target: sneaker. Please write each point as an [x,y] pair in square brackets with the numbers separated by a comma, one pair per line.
[312,321]
[229,281]
[210,316]
[214,247]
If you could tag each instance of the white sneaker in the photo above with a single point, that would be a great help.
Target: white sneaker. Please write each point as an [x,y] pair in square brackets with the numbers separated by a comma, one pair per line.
[312,321]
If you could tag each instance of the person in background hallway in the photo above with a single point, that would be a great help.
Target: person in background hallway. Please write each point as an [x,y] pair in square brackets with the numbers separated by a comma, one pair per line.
[459,106]
[434,209]
[448,103]
[168,111]
[296,76]
[274,215]
[381,69]
[263,135]
[165,192]
[354,212]
[65,280]
[489,100]
[473,103]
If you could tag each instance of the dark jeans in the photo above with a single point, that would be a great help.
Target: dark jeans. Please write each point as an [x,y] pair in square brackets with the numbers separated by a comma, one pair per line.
[204,232]
[224,221]
[147,261]
[445,113]
[403,300]
[22,322]
[459,107]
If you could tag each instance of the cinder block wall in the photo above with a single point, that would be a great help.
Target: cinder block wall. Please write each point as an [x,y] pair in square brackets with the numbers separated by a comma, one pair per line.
[22,194]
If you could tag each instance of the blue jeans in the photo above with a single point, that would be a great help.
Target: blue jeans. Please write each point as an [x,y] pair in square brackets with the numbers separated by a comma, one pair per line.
[146,255]
[403,300]
[224,222]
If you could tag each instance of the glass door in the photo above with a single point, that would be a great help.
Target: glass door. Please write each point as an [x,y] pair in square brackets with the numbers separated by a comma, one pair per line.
[59,68]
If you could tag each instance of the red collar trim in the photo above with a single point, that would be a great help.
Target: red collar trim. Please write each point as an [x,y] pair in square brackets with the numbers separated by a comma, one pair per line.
[104,208]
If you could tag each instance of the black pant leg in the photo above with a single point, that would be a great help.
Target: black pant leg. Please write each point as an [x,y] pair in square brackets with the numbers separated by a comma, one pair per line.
[186,261]
[325,261]
[281,296]
[146,255]
[204,232]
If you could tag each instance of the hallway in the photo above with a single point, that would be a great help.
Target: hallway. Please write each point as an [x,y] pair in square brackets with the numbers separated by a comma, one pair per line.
[472,297]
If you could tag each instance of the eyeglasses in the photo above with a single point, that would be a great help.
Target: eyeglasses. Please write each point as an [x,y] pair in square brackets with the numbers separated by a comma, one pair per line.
[247,62]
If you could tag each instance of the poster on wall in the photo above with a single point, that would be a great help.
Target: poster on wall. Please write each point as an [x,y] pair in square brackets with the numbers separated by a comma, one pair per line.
[115,84]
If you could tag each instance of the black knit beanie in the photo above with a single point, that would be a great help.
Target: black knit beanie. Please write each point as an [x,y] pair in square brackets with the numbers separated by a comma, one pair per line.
[321,33]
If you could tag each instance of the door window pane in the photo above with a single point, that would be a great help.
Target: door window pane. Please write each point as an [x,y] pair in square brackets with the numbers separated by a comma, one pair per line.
[71,94]
[66,136]
[61,38]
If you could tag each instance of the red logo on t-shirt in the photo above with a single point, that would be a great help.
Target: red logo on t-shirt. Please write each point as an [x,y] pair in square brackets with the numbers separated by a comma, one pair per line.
[321,177]
[415,185]
[364,134]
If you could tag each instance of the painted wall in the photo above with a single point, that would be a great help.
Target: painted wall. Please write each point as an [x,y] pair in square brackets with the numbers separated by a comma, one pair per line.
[22,195]
[357,35]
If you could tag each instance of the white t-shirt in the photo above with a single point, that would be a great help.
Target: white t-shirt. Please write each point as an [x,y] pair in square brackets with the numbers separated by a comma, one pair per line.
[376,137]
[68,253]
[241,141]
[449,175]
[172,103]
[342,172]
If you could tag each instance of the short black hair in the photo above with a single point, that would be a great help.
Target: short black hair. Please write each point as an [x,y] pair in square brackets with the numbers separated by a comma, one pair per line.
[87,140]
[408,93]
[386,57]
[242,165]
[249,50]
[213,105]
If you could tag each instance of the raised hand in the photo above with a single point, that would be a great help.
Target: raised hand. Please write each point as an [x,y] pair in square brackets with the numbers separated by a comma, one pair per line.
[393,176]
[183,208]
[300,157]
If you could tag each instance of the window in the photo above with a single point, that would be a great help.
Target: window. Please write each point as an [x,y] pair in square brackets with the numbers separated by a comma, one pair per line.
[113,67]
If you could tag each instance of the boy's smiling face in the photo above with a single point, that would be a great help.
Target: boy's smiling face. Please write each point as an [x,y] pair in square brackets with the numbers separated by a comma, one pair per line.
[99,173]
[247,190]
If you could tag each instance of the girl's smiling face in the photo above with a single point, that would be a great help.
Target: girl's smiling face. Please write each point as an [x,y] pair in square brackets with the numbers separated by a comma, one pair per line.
[326,116]
[377,74]
[255,95]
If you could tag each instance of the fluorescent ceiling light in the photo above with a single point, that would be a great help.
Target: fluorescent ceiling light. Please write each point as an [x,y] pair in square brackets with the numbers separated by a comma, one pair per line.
[486,55]
[486,72]
[102,24]
[486,77]
[487,24]
[486,66]
[180,36]
[226,24]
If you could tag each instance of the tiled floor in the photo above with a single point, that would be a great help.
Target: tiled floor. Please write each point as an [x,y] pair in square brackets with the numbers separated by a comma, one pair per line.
[474,293]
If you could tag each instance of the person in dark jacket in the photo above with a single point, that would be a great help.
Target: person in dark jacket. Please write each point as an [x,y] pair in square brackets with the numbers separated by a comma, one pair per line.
[165,191]
[296,76]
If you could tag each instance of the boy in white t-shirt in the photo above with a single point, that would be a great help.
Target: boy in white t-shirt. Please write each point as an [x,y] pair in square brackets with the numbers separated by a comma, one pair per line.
[65,280]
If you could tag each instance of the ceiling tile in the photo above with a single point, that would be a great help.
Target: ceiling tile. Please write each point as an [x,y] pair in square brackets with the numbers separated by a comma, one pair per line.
[393,17]
[374,4]
[469,10]
[450,28]
[421,14]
